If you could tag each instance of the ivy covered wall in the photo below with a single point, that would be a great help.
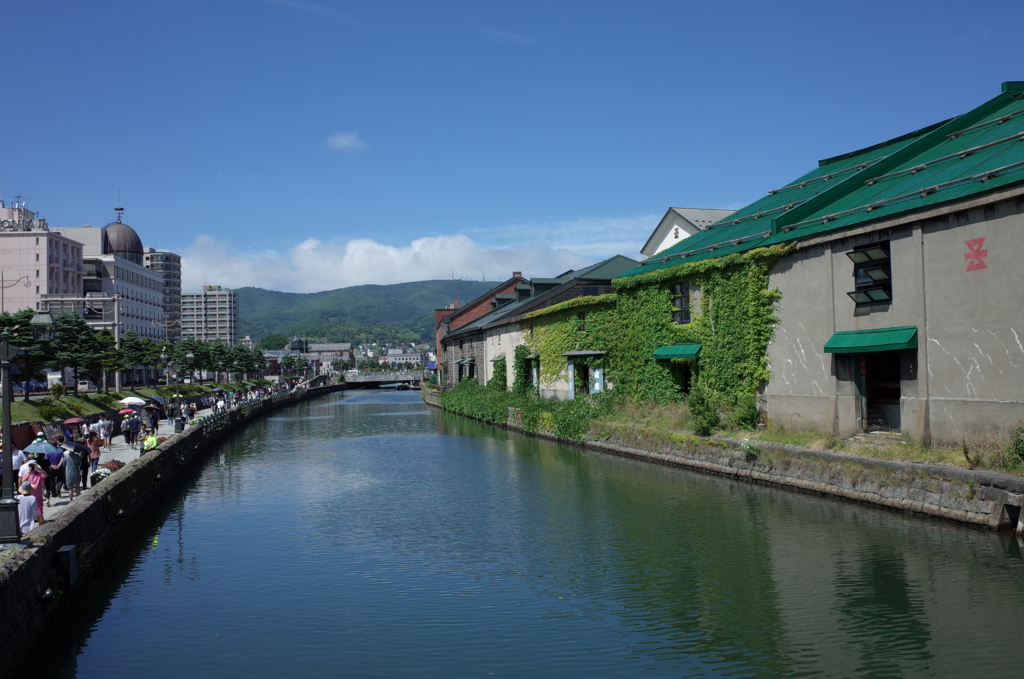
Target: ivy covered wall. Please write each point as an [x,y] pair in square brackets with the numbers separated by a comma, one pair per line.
[735,324]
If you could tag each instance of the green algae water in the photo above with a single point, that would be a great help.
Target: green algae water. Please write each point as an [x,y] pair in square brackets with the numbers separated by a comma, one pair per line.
[365,535]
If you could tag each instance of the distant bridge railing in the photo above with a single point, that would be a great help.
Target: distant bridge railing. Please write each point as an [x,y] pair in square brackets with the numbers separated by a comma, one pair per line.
[385,377]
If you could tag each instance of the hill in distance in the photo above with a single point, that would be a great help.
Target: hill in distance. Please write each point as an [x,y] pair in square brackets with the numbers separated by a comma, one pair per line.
[402,312]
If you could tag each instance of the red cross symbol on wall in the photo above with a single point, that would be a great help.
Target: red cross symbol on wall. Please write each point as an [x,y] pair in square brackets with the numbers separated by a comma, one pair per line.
[976,254]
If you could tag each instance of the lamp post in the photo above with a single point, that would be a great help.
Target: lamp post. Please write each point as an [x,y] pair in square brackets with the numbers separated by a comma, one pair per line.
[42,331]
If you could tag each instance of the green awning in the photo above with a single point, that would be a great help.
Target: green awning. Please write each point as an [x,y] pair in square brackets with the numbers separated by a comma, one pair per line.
[681,351]
[866,341]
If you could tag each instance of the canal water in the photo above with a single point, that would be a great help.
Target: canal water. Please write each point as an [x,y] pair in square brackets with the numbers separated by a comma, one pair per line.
[365,535]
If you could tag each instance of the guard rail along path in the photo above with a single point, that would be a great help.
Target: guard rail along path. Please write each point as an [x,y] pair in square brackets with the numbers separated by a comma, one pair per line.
[43,579]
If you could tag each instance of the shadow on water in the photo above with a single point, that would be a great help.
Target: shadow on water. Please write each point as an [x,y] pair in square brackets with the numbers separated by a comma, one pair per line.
[391,539]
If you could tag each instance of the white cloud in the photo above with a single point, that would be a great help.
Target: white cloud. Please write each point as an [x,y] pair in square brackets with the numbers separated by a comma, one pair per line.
[505,37]
[346,142]
[315,265]
[309,8]
[594,237]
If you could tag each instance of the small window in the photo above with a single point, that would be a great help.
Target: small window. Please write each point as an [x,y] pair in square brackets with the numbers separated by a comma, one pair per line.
[872,274]
[583,322]
[591,290]
[681,302]
[37,256]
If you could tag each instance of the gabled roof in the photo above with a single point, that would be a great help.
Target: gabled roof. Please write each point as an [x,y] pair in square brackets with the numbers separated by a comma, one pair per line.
[699,217]
[602,271]
[606,270]
[486,297]
[972,154]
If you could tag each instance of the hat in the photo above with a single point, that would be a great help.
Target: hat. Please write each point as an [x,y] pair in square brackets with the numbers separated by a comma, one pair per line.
[26,488]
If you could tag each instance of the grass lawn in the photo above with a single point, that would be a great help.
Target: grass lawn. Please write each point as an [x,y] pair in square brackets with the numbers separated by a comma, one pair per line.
[44,408]
[631,422]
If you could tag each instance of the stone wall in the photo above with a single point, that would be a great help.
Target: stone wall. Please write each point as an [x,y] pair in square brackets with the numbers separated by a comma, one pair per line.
[36,596]
[981,498]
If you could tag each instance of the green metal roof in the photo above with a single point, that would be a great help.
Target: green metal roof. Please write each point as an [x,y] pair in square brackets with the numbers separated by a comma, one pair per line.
[972,154]
[678,351]
[867,341]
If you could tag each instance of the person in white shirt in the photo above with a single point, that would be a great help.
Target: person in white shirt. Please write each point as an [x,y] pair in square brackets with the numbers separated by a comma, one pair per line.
[24,465]
[27,508]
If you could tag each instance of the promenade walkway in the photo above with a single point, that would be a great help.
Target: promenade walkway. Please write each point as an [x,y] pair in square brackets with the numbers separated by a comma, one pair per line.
[118,450]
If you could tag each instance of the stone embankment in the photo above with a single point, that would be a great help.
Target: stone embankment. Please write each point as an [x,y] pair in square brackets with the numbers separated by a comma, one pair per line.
[42,580]
[981,498]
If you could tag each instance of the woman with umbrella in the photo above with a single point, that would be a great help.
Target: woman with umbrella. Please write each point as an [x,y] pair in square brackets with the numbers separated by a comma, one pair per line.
[40,448]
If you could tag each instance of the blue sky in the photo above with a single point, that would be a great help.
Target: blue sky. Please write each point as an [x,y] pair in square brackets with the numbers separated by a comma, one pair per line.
[309,145]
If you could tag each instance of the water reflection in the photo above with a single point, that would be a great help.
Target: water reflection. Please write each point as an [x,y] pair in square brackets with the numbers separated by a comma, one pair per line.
[389,539]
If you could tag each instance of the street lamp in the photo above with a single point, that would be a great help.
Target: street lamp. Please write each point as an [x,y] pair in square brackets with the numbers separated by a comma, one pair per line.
[42,331]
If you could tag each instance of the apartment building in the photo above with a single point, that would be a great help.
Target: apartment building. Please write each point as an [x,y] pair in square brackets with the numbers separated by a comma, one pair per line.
[210,315]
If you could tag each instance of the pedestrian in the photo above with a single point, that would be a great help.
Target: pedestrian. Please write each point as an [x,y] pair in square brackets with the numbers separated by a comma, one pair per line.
[106,428]
[154,420]
[73,468]
[55,478]
[92,445]
[27,508]
[150,442]
[126,432]
[95,426]
[134,423]
[36,478]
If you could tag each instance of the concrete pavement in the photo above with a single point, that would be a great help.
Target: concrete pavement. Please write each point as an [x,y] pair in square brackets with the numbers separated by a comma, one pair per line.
[118,451]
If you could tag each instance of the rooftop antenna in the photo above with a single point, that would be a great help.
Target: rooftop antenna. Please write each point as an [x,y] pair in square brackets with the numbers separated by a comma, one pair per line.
[119,210]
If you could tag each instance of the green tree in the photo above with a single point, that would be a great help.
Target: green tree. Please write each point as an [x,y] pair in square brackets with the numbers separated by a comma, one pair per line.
[110,357]
[135,353]
[74,344]
[200,356]
[274,341]
[29,363]
[220,357]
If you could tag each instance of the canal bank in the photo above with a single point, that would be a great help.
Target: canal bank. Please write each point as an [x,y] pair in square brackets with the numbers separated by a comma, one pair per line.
[980,498]
[42,579]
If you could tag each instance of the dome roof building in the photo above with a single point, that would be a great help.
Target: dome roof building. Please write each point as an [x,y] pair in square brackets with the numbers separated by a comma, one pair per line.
[121,239]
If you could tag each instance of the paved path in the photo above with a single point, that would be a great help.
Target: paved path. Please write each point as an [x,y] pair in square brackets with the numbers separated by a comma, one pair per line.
[118,451]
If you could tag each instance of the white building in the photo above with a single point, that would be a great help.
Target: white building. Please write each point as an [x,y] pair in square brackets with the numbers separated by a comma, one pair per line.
[678,224]
[210,315]
[35,261]
[113,257]
[167,265]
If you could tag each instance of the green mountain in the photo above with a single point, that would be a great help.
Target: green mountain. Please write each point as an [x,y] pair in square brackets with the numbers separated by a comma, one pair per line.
[403,312]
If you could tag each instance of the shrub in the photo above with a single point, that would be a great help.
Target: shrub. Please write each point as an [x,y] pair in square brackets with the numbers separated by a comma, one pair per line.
[1017,444]
[746,414]
[703,411]
[58,390]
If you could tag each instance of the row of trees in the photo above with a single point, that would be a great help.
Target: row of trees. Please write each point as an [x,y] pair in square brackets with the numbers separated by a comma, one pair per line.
[91,353]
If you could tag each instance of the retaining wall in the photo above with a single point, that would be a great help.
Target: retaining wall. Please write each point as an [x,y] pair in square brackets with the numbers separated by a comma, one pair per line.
[980,498]
[96,525]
